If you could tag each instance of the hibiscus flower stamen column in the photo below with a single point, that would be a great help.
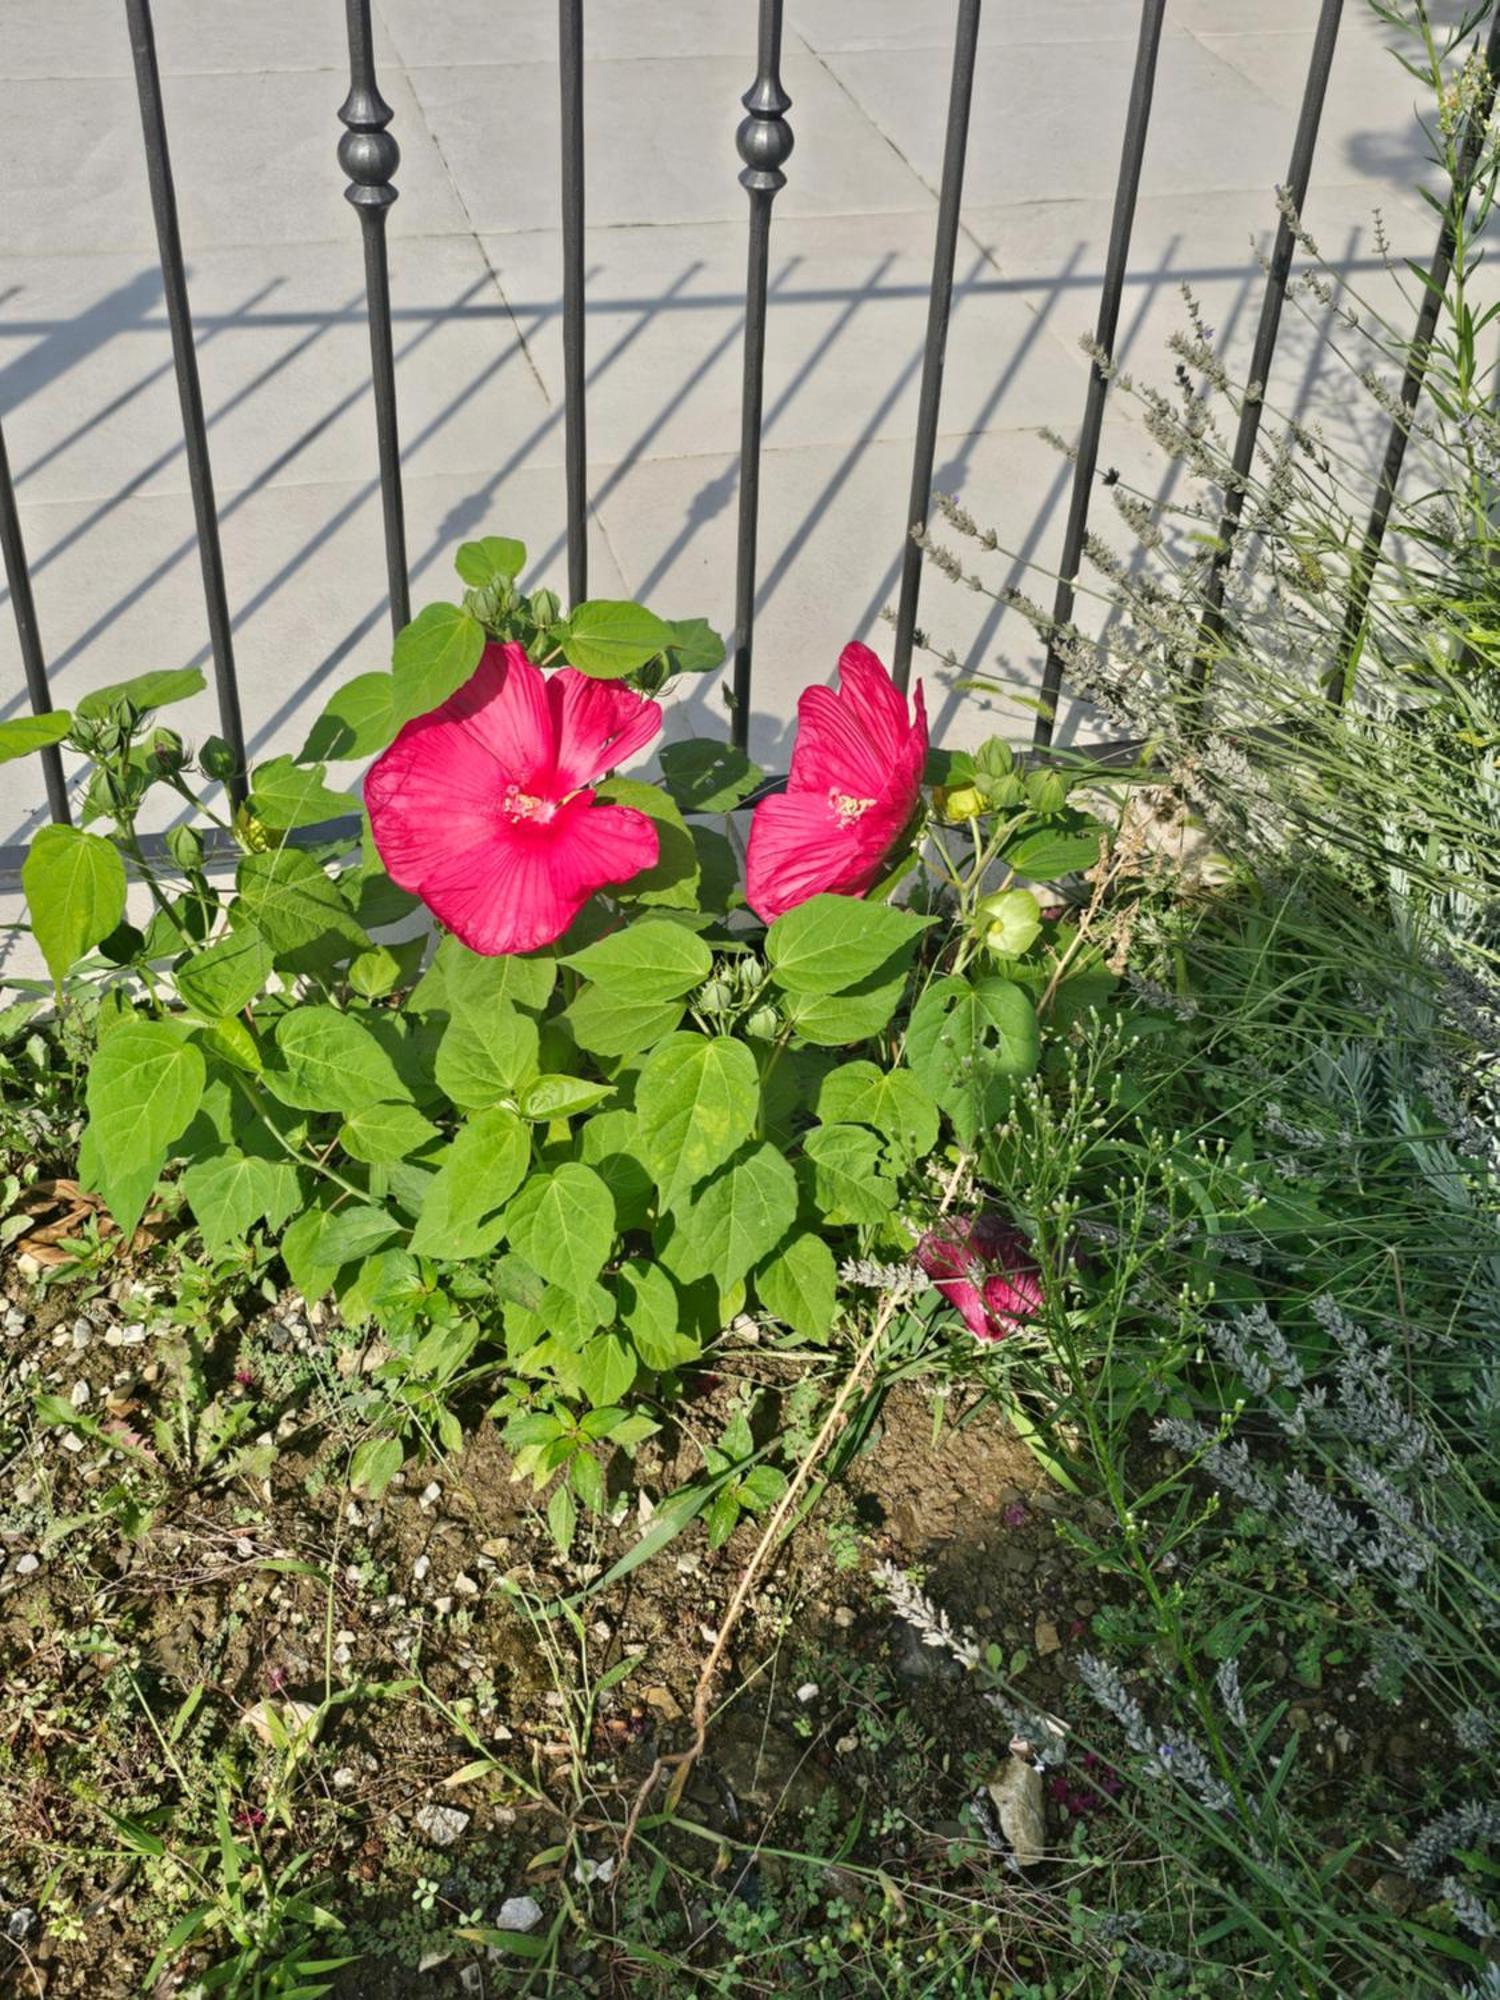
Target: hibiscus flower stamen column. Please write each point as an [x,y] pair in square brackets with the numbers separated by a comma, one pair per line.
[764,140]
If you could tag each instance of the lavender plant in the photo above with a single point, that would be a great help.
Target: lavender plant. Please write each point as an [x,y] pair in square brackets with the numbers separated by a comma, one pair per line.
[1276,1228]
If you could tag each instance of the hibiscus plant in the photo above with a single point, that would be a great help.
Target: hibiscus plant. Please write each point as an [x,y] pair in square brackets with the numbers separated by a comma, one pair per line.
[527,1070]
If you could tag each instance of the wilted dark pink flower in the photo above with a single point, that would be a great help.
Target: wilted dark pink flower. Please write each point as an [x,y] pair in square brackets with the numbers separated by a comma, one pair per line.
[983,1265]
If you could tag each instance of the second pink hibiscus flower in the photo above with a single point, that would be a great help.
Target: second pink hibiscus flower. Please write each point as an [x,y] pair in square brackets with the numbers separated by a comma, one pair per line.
[854,783]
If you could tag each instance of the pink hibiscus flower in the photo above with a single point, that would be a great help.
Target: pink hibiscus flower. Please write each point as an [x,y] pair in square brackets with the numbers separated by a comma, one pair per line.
[983,1266]
[483,807]
[853,786]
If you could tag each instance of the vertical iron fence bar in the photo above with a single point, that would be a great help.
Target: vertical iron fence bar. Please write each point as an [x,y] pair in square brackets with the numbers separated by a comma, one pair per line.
[1211,625]
[190,394]
[369,157]
[28,632]
[1117,258]
[939,311]
[1363,572]
[764,140]
[575,433]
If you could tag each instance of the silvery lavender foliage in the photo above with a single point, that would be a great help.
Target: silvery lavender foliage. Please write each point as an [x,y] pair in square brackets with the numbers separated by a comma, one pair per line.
[1177,1756]
[1315,1523]
[1467,1908]
[1227,1462]
[869,1274]
[1227,1681]
[1468,1825]
[1253,1344]
[1370,1410]
[1382,1525]
[1154,994]
[1046,1735]
[1475,1730]
[1393,1654]
[910,1602]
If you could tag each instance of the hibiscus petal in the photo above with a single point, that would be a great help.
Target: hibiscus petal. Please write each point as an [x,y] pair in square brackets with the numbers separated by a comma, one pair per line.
[598,845]
[877,707]
[799,848]
[914,758]
[524,887]
[963,1294]
[597,725]
[860,741]
[434,794]
[832,752]
[498,897]
[1008,1302]
[503,708]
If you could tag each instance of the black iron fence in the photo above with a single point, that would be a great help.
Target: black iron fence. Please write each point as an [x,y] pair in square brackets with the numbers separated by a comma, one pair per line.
[369,154]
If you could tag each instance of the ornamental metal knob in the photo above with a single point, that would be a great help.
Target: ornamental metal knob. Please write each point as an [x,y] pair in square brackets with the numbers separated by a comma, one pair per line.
[368,154]
[764,139]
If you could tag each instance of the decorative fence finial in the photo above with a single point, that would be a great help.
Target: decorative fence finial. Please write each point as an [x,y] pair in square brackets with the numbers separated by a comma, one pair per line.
[764,140]
[370,156]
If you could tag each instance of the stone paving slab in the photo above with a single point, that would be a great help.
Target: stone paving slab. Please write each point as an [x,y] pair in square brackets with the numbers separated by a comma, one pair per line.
[284,356]
[844,346]
[89,403]
[69,39]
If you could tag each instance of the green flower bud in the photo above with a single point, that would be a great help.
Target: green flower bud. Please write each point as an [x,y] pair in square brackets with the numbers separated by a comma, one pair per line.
[185,847]
[217,759]
[546,608]
[168,754]
[1011,921]
[962,802]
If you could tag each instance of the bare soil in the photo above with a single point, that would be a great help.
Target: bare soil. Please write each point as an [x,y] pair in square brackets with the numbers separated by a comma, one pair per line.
[136,1653]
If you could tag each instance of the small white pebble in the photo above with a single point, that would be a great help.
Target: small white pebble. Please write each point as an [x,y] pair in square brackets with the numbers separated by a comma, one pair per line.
[465,1585]
[807,1692]
[420,1568]
[71,1441]
[79,1395]
[519,1913]
[28,1565]
[440,1824]
[430,1495]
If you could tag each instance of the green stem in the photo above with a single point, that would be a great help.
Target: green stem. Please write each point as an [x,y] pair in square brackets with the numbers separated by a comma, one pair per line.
[293,1152]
